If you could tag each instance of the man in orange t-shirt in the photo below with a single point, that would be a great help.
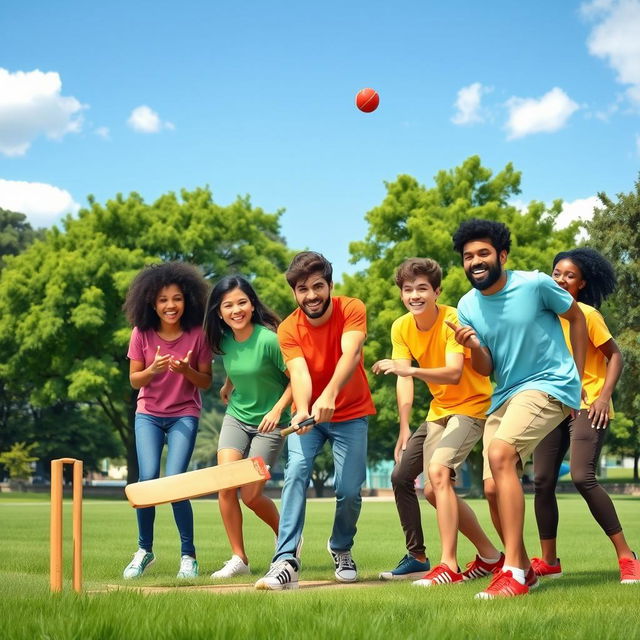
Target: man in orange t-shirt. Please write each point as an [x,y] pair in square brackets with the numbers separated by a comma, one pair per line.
[322,344]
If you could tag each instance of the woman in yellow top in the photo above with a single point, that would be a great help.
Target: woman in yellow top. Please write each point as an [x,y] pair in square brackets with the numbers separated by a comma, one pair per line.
[589,278]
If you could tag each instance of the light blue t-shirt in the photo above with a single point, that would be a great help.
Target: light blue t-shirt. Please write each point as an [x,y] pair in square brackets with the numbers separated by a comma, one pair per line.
[520,326]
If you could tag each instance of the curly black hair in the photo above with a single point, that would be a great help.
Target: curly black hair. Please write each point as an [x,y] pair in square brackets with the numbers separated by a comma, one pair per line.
[141,297]
[596,271]
[215,327]
[476,229]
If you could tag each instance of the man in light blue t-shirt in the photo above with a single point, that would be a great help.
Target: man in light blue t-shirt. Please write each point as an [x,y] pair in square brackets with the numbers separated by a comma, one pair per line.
[510,322]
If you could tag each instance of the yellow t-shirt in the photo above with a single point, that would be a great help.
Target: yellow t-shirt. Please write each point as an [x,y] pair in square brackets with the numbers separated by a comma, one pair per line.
[472,396]
[595,364]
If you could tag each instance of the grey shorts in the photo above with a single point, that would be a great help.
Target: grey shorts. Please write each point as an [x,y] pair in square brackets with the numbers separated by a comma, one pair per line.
[246,438]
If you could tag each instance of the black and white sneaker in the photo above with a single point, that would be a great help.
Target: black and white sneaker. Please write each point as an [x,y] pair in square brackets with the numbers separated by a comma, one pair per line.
[282,574]
[346,570]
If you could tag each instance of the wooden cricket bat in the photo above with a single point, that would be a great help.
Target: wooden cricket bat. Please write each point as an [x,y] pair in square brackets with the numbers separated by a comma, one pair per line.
[194,484]
[309,422]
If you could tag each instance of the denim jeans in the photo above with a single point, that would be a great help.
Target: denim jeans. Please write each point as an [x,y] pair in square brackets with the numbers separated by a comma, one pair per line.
[349,444]
[180,435]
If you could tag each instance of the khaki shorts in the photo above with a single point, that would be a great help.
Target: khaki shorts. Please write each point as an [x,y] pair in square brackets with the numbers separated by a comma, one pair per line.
[449,441]
[522,421]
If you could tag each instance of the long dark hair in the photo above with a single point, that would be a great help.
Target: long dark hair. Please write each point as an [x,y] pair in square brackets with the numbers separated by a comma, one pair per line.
[141,297]
[596,271]
[215,327]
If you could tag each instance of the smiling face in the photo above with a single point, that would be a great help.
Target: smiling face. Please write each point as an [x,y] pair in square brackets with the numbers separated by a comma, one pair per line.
[569,276]
[236,310]
[313,295]
[482,264]
[418,296]
[169,305]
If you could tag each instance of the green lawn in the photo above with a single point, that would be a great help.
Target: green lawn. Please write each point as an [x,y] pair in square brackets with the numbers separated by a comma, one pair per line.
[587,602]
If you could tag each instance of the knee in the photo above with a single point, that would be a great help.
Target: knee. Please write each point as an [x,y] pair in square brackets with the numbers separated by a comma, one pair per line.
[490,492]
[501,456]
[583,479]
[439,476]
[544,482]
[250,496]
[400,479]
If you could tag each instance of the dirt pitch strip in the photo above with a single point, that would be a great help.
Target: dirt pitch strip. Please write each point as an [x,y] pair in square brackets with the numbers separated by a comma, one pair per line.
[234,588]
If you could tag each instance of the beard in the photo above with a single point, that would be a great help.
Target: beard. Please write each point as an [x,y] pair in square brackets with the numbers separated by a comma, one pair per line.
[317,314]
[495,271]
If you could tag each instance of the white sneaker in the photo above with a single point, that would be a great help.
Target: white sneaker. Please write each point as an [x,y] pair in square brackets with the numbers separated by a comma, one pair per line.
[346,570]
[282,574]
[233,567]
[188,568]
[141,560]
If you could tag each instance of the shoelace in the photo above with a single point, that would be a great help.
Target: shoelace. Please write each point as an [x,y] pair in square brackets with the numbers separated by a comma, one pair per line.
[345,561]
[275,569]
[499,581]
[138,557]
[628,565]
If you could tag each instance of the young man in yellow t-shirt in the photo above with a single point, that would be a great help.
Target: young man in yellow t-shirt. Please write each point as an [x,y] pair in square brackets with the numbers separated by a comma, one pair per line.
[454,424]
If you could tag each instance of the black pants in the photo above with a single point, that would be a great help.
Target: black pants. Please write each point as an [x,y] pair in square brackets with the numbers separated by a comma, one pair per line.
[585,444]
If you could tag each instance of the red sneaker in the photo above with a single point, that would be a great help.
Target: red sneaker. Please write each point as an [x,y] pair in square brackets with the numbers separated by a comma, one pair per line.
[629,570]
[544,570]
[439,575]
[503,585]
[531,579]
[479,568]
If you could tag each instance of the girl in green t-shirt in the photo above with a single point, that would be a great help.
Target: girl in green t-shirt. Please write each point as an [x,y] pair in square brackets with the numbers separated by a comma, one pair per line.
[257,393]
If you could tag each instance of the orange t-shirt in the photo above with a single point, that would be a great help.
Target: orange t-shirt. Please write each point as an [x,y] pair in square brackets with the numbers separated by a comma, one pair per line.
[321,349]
[595,364]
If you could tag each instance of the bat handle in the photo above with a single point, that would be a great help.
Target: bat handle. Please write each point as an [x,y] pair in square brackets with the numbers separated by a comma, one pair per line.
[309,422]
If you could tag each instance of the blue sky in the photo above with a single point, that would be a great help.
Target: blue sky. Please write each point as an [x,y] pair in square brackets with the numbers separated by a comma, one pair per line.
[257,98]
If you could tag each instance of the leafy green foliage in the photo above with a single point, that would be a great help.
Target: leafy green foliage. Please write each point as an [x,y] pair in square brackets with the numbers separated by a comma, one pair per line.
[18,460]
[15,234]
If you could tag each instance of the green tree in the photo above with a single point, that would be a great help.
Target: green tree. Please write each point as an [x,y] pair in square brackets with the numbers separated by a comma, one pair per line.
[62,332]
[15,233]
[615,231]
[18,461]
[414,220]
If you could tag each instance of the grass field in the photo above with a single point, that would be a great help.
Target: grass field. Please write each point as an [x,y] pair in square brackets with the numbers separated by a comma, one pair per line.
[587,602]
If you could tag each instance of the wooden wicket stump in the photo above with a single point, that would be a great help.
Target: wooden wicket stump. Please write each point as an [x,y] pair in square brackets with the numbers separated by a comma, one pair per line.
[237,588]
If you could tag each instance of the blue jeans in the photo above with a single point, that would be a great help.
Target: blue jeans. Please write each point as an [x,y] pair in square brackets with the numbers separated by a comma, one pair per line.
[349,444]
[180,435]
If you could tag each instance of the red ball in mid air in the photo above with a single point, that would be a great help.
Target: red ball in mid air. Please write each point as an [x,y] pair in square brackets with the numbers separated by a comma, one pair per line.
[367,100]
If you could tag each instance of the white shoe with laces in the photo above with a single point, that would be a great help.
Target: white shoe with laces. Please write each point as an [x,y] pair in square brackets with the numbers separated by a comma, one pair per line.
[188,568]
[282,575]
[141,560]
[233,567]
[346,570]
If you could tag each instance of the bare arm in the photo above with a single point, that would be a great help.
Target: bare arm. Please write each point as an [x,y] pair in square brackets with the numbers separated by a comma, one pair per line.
[200,376]
[449,374]
[404,395]
[301,388]
[351,344]
[578,335]
[599,409]
[270,421]
[139,376]
[481,359]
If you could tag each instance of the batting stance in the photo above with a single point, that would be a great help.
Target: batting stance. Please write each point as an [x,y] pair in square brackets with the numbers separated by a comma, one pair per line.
[322,344]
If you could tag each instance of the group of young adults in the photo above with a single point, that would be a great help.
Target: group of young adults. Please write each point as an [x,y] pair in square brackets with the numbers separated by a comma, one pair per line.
[551,356]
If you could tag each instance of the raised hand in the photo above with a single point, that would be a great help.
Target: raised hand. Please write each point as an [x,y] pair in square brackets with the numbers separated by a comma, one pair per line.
[466,336]
[180,366]
[160,363]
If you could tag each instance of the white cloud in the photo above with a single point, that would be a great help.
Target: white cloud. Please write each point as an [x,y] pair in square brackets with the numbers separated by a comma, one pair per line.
[616,38]
[544,115]
[42,203]
[144,119]
[580,209]
[31,105]
[468,104]
[102,132]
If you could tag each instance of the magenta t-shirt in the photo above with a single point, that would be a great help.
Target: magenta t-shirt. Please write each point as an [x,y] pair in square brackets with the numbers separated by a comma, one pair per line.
[169,394]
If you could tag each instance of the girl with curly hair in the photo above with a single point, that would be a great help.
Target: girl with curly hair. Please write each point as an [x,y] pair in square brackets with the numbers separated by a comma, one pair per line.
[169,362]
[590,279]
[257,393]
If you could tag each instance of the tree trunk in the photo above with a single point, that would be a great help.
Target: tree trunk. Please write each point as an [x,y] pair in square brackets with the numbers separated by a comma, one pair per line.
[130,443]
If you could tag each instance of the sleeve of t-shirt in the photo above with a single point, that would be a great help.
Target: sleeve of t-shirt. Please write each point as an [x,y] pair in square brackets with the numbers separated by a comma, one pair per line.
[451,344]
[274,352]
[597,329]
[135,351]
[288,343]
[355,316]
[400,349]
[552,295]
[204,355]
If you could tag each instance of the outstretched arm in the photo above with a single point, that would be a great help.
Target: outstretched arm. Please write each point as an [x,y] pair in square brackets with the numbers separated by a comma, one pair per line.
[481,359]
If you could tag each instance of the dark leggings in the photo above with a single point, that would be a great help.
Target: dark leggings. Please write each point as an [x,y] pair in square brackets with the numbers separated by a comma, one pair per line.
[586,444]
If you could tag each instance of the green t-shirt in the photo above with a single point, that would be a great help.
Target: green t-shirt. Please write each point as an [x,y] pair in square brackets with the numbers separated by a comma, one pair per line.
[256,369]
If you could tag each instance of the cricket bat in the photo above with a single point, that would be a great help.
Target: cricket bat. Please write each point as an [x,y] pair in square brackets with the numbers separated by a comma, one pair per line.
[194,484]
[309,422]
